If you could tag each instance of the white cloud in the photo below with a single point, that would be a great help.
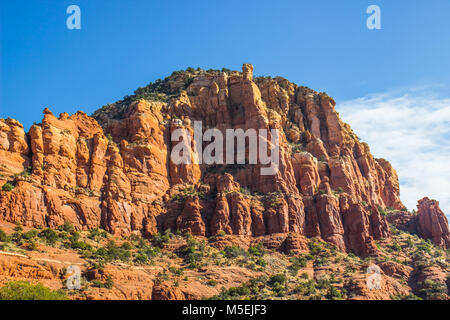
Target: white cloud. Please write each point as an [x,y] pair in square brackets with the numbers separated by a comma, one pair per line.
[412,131]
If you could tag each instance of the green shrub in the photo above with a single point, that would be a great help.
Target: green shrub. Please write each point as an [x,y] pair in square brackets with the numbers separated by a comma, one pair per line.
[16,237]
[211,283]
[141,258]
[425,247]
[176,271]
[108,284]
[297,264]
[150,251]
[110,253]
[7,187]
[323,283]
[126,246]
[97,233]
[309,256]
[160,240]
[49,235]
[113,252]
[26,291]
[67,226]
[233,251]
[245,191]
[188,192]
[334,294]
[145,254]
[250,289]
[193,253]
[406,297]
[239,291]
[395,247]
[257,250]
[81,245]
[161,277]
[277,279]
[382,211]
[306,288]
[77,244]
[26,173]
[29,235]
[3,236]
[316,247]
[31,245]
[261,262]
[221,233]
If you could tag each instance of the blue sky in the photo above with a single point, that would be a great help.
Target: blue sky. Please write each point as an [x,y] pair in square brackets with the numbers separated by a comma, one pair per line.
[410,128]
[122,45]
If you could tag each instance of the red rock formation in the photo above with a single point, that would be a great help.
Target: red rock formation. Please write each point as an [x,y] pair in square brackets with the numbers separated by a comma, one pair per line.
[432,223]
[14,149]
[403,220]
[118,175]
[164,292]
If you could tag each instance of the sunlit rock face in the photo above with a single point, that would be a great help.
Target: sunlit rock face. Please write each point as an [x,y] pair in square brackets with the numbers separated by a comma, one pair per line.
[432,223]
[113,170]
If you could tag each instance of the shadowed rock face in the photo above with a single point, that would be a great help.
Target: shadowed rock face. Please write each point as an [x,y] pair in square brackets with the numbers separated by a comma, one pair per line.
[113,170]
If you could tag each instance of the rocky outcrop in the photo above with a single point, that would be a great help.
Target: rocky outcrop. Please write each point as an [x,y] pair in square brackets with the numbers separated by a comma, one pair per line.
[395,269]
[429,222]
[14,148]
[403,220]
[114,170]
[167,293]
[432,223]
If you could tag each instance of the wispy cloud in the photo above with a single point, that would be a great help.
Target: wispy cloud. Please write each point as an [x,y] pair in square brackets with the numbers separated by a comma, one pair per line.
[412,131]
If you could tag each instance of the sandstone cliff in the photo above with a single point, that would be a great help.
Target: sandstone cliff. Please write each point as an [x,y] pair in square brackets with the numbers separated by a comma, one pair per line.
[113,170]
[429,222]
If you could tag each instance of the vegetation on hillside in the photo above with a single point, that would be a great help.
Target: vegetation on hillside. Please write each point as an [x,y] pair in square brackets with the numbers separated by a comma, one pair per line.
[21,290]
[322,272]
